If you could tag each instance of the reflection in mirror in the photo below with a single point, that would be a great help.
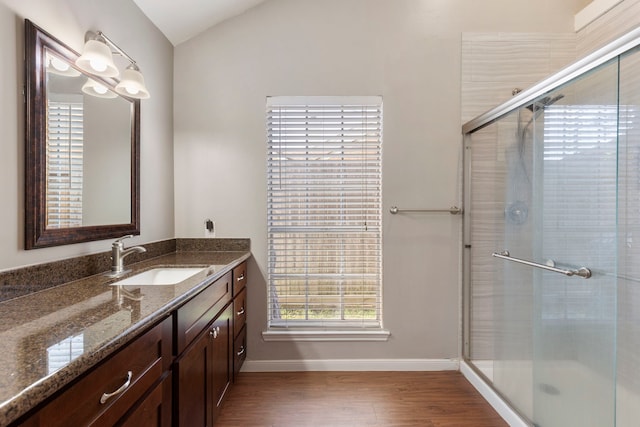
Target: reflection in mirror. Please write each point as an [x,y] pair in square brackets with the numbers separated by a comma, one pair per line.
[82,150]
[88,128]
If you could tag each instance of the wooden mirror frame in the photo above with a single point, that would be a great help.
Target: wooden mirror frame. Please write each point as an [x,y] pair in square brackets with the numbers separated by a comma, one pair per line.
[37,42]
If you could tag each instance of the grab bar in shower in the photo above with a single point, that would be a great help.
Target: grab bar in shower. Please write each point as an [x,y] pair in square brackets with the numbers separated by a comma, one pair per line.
[453,210]
[583,272]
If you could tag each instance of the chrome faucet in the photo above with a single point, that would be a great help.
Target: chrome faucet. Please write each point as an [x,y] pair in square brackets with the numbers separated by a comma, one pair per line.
[118,253]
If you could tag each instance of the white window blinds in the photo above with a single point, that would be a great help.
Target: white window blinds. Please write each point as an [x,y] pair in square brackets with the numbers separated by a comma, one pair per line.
[324,211]
[64,164]
[580,182]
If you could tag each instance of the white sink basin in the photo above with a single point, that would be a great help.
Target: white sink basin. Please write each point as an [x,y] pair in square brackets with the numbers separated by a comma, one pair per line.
[160,276]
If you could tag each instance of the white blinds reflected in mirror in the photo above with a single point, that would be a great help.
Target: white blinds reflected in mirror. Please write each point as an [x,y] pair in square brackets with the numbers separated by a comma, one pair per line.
[88,151]
[64,164]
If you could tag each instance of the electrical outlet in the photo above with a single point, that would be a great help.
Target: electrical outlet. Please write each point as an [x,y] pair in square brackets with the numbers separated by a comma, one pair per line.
[209,228]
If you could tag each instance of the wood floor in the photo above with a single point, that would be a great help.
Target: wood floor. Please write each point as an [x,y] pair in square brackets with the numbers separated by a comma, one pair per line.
[355,399]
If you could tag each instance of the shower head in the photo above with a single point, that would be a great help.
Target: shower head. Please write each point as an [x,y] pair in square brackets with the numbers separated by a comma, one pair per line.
[536,108]
[544,102]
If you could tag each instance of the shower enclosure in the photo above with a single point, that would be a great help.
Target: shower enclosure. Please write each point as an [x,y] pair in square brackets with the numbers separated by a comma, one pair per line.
[552,244]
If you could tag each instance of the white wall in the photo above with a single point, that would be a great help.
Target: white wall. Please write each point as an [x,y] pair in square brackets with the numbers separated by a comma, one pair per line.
[106,143]
[68,20]
[408,51]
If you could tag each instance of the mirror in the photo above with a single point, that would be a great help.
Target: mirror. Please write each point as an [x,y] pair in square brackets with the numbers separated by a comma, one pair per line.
[82,150]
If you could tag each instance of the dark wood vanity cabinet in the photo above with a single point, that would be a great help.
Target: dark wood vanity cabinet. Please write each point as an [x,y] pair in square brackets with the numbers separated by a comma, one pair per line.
[203,370]
[204,373]
[134,383]
[207,364]
[176,373]
[240,317]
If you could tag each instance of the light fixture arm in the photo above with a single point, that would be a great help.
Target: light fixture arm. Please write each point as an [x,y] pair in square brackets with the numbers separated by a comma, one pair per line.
[99,35]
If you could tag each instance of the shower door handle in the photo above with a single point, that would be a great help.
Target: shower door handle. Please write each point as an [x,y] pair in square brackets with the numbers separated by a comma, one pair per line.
[583,272]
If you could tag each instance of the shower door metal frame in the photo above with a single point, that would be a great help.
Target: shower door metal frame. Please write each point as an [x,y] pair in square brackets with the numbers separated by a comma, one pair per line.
[578,68]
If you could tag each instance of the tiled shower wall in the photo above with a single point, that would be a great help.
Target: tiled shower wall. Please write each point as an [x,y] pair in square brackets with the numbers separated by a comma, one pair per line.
[493,65]
[616,22]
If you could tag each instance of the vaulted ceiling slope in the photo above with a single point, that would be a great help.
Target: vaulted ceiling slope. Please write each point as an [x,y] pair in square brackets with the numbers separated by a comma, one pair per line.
[180,20]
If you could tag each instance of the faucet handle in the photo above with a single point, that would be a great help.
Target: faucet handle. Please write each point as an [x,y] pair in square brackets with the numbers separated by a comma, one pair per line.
[119,241]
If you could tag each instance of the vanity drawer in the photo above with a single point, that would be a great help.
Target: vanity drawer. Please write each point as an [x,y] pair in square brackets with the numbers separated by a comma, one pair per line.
[153,410]
[105,394]
[239,278]
[239,312]
[194,316]
[239,352]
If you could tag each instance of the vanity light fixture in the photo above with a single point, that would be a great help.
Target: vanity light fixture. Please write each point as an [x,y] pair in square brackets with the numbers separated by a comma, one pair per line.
[132,83]
[97,59]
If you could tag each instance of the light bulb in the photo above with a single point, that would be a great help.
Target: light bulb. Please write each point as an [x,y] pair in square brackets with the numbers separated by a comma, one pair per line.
[132,90]
[100,89]
[97,65]
[59,64]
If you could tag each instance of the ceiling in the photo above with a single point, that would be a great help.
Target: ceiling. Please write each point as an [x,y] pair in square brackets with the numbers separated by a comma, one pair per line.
[180,20]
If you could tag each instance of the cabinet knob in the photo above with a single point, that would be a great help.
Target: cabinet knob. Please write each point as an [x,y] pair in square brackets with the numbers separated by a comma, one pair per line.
[214,332]
[240,278]
[241,312]
[241,352]
[123,387]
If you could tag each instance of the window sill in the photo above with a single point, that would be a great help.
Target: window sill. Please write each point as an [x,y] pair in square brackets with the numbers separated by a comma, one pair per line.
[325,335]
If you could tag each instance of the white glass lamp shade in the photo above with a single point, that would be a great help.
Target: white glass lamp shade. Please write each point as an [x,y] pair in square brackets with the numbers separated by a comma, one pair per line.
[132,84]
[58,66]
[97,59]
[93,88]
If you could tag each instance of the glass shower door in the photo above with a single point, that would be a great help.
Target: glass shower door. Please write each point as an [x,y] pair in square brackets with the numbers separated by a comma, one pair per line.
[574,225]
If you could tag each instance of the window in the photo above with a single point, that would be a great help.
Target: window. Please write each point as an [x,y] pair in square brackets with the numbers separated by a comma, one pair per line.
[324,212]
[64,164]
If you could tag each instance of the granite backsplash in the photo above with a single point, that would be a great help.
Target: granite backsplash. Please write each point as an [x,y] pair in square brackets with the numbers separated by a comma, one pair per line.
[25,280]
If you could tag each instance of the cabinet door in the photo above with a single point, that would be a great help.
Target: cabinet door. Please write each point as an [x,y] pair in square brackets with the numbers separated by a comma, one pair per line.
[222,354]
[194,389]
[204,373]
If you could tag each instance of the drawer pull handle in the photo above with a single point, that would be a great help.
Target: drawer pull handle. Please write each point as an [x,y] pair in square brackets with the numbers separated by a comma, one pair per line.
[241,352]
[241,312]
[123,387]
[241,278]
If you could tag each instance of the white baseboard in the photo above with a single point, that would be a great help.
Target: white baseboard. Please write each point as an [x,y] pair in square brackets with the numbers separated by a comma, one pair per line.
[508,414]
[351,365]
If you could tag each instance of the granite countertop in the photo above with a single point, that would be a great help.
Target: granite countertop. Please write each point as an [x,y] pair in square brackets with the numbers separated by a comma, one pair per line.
[52,336]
